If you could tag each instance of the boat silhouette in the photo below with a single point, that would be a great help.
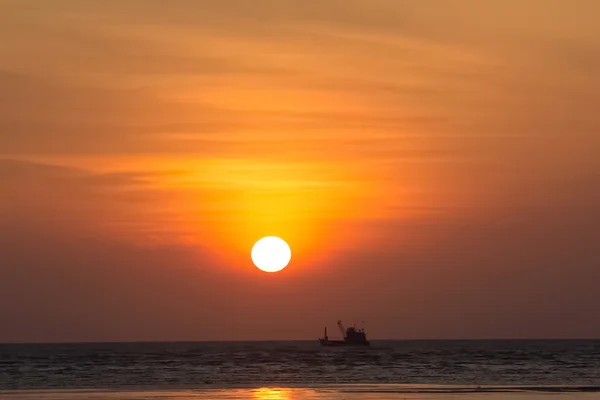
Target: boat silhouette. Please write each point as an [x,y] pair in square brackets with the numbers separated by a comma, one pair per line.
[352,337]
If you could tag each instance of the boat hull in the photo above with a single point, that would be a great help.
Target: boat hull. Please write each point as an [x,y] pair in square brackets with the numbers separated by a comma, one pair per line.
[341,343]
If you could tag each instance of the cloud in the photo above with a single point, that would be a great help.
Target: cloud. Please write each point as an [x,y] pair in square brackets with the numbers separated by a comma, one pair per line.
[42,117]
[72,202]
[134,78]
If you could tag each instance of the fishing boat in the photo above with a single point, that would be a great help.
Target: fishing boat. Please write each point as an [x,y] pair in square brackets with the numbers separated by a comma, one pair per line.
[352,337]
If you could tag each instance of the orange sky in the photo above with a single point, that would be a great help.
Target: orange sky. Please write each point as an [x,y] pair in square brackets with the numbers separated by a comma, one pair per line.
[428,162]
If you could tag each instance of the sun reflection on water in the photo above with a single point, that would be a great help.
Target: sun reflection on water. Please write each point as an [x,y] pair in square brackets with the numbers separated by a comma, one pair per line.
[272,394]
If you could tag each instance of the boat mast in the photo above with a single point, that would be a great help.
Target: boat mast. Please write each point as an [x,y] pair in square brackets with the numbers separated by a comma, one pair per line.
[339,323]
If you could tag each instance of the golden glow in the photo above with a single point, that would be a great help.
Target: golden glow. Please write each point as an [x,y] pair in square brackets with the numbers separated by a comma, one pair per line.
[271,394]
[271,254]
[241,199]
[234,201]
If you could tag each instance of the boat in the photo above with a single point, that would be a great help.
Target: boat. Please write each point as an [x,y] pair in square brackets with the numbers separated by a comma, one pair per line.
[352,337]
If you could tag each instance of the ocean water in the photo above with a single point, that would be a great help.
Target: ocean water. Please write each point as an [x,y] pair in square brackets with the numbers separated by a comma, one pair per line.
[416,365]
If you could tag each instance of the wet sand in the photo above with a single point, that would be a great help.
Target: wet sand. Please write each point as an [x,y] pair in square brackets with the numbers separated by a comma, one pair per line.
[347,392]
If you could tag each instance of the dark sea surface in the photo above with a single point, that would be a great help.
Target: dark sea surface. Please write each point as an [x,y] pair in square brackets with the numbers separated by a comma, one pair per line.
[205,365]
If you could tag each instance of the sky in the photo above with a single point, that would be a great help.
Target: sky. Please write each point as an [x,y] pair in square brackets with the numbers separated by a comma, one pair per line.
[432,164]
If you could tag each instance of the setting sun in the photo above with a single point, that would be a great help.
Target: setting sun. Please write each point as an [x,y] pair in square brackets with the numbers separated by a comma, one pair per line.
[271,254]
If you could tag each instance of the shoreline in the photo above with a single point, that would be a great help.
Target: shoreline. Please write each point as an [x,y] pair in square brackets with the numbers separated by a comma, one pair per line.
[342,388]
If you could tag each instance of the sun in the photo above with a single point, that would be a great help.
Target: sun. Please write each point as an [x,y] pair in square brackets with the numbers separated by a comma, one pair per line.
[271,254]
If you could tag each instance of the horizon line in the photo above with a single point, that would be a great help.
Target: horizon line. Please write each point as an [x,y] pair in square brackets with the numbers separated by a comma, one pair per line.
[293,340]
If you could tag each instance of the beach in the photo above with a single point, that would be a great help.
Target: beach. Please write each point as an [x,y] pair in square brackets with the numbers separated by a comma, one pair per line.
[350,392]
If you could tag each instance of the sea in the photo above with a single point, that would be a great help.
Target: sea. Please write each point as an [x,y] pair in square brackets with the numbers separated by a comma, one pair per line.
[280,370]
